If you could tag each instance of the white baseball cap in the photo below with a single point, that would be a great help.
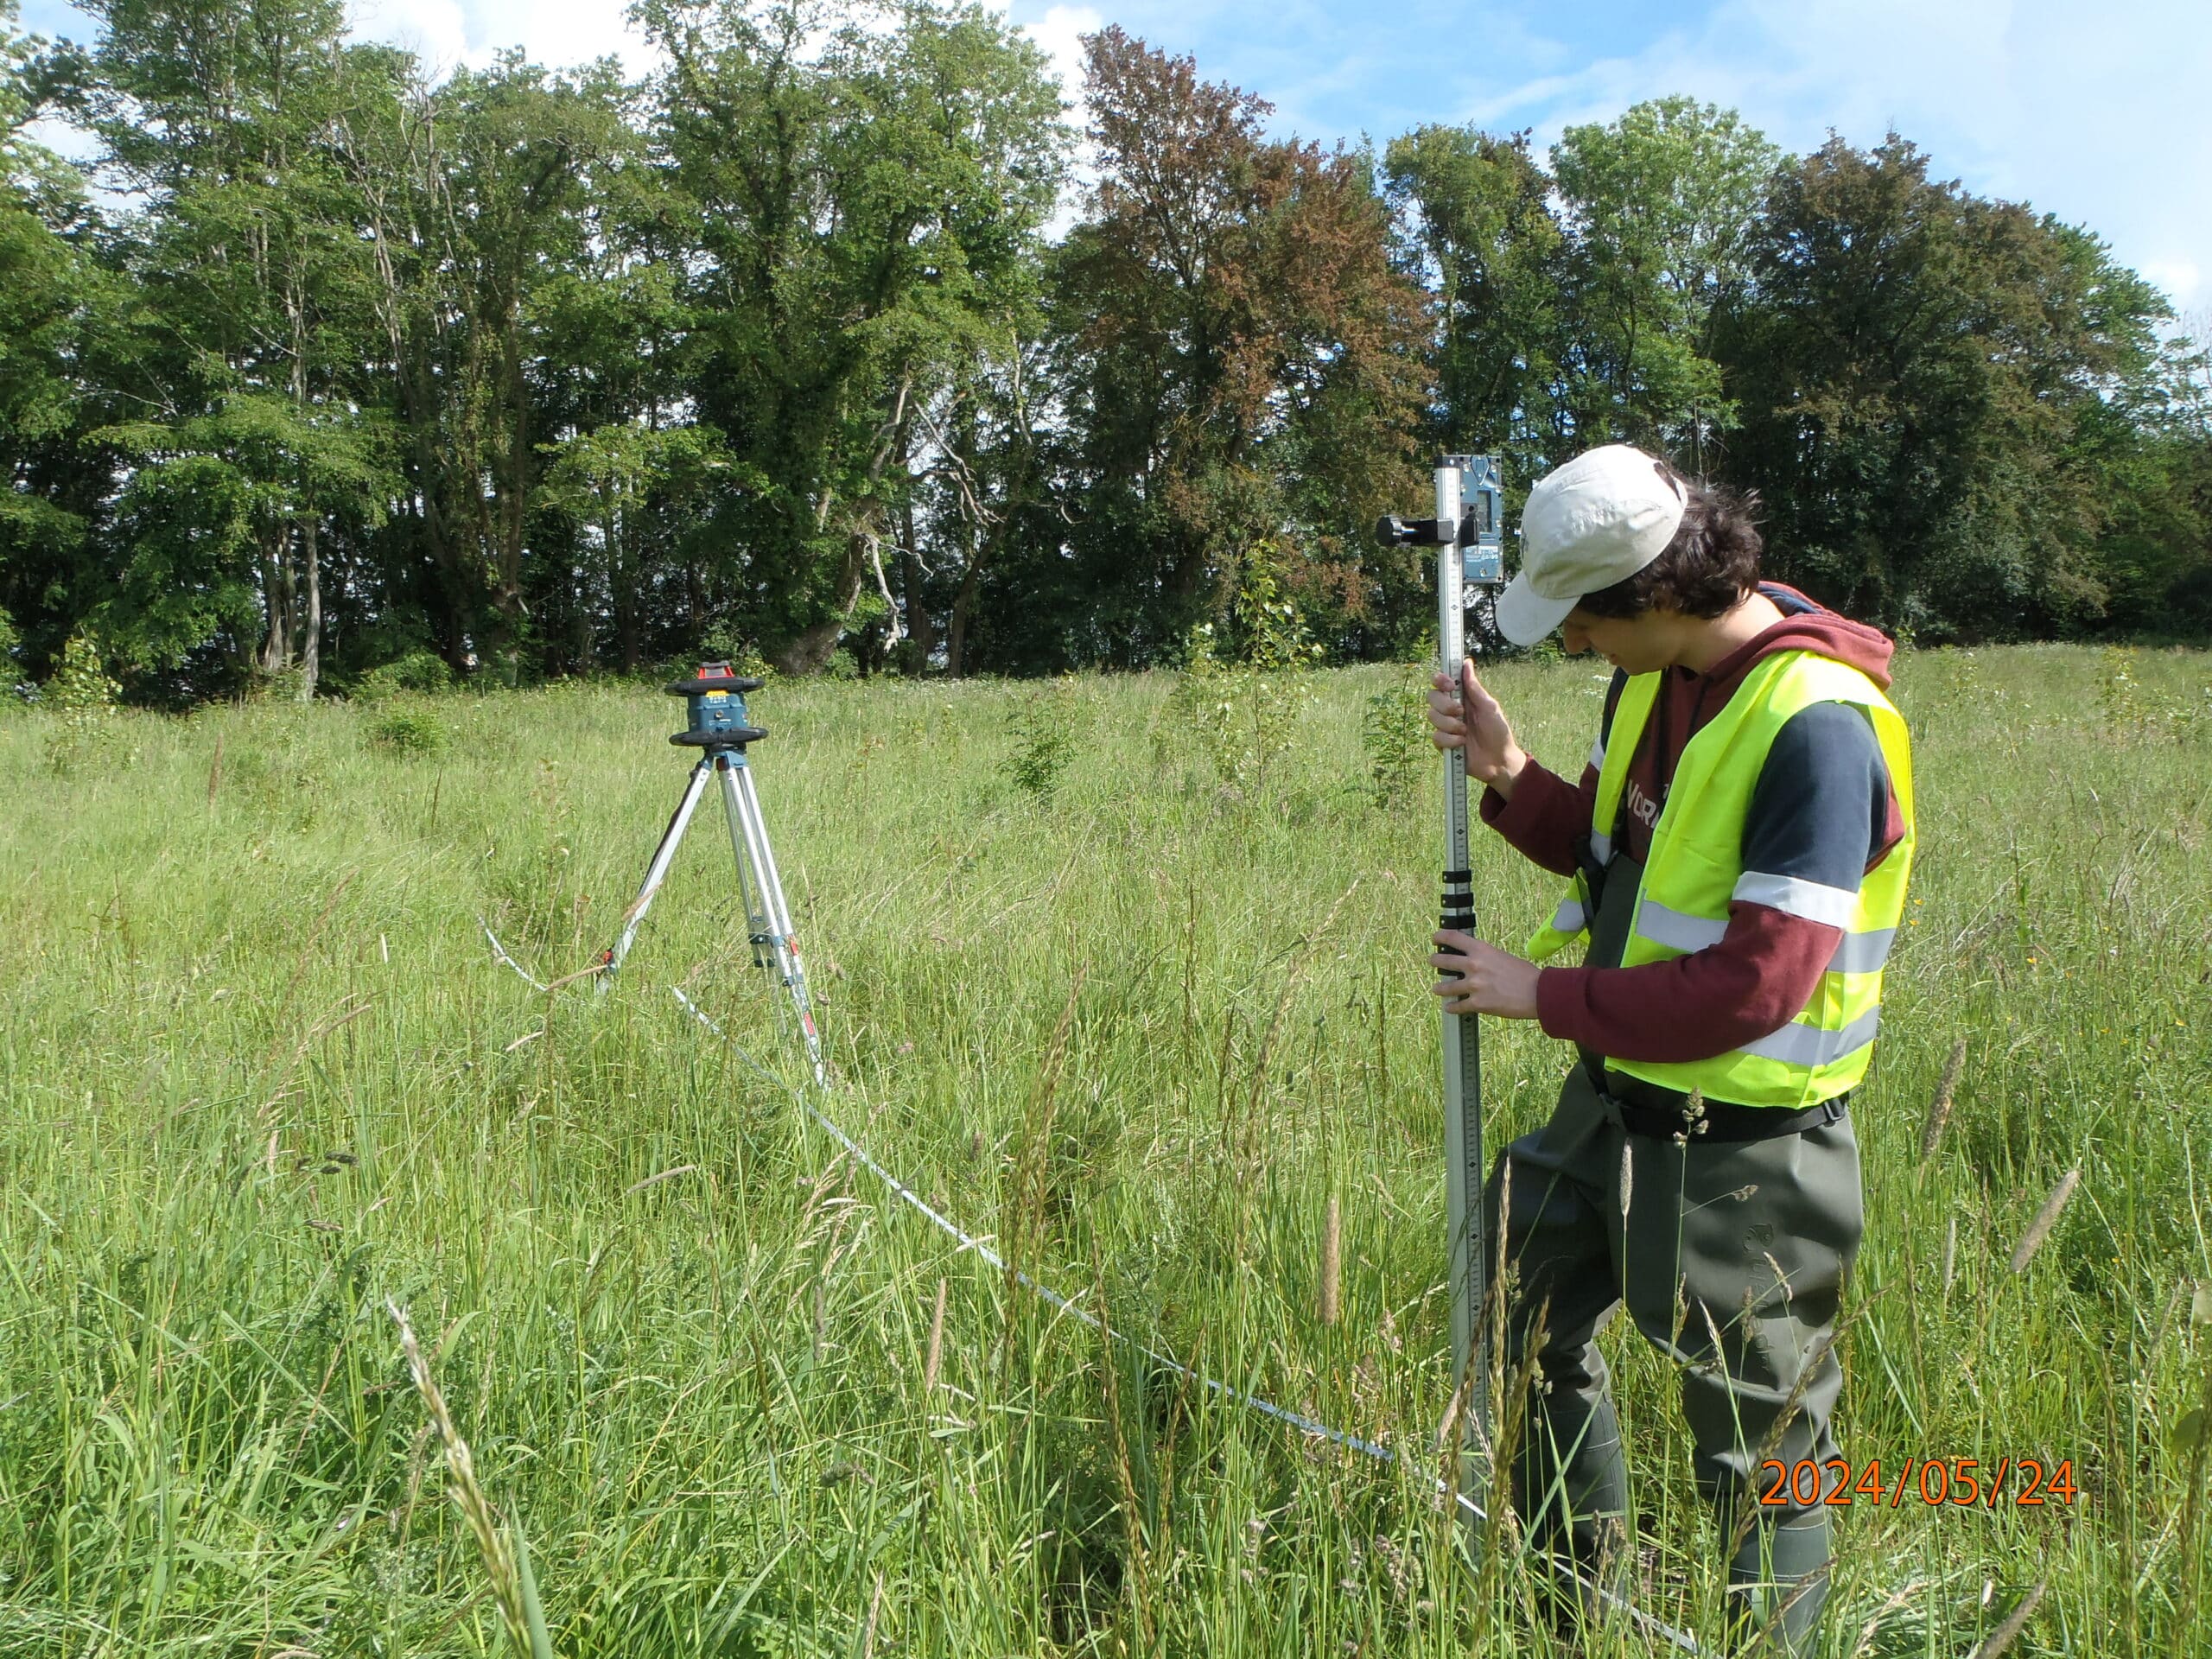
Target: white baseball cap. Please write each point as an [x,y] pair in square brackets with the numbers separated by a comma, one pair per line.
[1596,521]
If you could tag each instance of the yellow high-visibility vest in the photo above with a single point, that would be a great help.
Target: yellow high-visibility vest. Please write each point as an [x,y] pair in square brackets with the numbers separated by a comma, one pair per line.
[1695,868]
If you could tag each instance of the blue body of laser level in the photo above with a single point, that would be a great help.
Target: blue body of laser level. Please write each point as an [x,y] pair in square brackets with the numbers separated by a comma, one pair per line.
[715,699]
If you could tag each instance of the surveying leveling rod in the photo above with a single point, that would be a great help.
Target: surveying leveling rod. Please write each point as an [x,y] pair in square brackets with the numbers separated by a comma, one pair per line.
[1467,535]
[715,698]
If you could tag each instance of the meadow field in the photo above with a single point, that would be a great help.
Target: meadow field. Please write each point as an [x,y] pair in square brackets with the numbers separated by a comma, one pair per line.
[1128,975]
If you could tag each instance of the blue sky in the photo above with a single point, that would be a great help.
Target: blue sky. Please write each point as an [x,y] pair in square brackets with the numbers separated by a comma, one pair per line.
[2101,115]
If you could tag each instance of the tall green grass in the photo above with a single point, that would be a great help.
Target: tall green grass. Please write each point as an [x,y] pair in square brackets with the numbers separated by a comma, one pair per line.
[260,1076]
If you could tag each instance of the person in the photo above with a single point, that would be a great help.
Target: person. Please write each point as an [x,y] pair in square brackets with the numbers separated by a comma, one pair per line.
[1737,852]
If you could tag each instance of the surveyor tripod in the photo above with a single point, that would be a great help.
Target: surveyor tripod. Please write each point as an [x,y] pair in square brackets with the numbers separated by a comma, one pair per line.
[720,728]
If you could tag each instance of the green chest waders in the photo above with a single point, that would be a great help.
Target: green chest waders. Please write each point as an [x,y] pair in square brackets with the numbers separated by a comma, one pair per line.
[1730,1249]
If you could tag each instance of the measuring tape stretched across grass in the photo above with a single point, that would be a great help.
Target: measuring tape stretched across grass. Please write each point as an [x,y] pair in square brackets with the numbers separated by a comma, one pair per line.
[1680,1640]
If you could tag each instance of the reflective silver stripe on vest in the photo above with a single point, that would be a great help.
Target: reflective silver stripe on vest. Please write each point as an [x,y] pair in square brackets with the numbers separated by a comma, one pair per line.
[1808,1045]
[1814,901]
[1569,917]
[1601,847]
[1598,756]
[1862,953]
[1855,953]
[1675,930]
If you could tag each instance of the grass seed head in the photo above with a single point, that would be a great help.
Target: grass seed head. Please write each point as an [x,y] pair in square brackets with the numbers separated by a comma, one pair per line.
[1332,1237]
[1939,1105]
[517,1606]
[2046,1218]
[2002,1637]
[937,1344]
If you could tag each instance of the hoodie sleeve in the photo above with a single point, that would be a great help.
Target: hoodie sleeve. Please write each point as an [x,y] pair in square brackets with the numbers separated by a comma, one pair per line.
[1822,814]
[1547,815]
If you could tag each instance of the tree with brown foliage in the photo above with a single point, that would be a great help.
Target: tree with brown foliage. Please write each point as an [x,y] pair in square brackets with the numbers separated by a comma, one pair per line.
[1241,366]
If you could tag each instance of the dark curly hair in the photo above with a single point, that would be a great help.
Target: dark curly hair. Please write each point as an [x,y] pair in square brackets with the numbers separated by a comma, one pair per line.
[1712,564]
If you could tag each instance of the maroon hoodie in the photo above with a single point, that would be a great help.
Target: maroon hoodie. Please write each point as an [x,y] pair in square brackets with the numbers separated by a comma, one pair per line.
[1823,812]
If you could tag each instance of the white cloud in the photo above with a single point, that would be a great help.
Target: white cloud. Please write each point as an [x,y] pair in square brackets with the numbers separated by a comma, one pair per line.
[564,33]
[446,34]
[434,30]
[65,139]
[2180,278]
[1059,32]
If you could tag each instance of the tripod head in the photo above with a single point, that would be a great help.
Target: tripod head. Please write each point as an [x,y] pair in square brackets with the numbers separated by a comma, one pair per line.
[715,699]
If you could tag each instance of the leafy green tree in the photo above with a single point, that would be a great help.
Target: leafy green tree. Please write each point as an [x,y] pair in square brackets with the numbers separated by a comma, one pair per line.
[217,116]
[614,375]
[613,481]
[56,301]
[1476,222]
[869,191]
[1662,206]
[987,493]
[208,511]
[550,373]
[1941,395]
[482,202]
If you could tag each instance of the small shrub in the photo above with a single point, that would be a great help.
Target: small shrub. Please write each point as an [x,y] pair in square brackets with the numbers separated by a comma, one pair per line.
[419,672]
[1045,728]
[723,644]
[1243,716]
[284,685]
[80,682]
[83,696]
[2131,710]
[410,731]
[1395,734]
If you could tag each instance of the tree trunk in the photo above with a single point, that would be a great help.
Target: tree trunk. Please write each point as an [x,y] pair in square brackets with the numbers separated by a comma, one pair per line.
[921,626]
[311,637]
[276,604]
[584,654]
[810,650]
[629,634]
[963,605]
[511,481]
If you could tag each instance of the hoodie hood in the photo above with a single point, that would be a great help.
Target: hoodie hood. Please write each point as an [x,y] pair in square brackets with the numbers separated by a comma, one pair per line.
[1807,626]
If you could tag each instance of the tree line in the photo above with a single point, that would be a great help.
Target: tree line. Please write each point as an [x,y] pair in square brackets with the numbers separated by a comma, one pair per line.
[831,344]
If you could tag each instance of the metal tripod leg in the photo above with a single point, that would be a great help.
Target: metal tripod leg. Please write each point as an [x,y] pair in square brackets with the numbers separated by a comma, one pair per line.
[656,873]
[764,894]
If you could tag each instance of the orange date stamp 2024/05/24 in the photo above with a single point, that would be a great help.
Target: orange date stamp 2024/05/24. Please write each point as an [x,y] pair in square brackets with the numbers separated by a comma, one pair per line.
[1960,1482]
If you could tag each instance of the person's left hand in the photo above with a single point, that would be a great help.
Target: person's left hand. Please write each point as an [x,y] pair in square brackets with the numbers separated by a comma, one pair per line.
[1482,979]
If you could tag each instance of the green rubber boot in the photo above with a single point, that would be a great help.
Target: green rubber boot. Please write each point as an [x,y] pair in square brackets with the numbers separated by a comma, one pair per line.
[1777,1586]
[1575,1509]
